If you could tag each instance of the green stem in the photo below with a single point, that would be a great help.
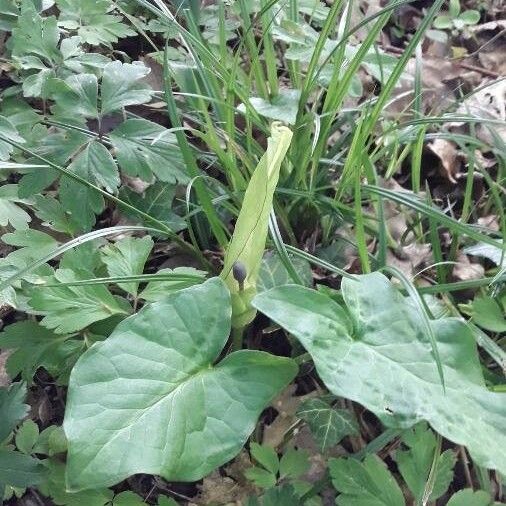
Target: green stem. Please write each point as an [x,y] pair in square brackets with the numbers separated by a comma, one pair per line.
[237,335]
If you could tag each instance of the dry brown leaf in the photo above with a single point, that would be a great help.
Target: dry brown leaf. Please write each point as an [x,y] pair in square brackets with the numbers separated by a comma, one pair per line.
[465,270]
[488,103]
[218,489]
[447,153]
[286,404]
[5,380]
[491,222]
[437,93]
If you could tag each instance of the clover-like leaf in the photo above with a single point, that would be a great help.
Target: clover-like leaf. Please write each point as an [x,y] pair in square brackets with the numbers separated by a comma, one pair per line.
[377,354]
[150,400]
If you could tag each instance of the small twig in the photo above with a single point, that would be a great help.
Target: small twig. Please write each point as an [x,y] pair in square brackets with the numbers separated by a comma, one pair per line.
[481,70]
[465,464]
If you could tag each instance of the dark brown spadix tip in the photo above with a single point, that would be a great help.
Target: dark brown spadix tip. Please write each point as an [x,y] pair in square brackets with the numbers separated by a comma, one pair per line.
[239,272]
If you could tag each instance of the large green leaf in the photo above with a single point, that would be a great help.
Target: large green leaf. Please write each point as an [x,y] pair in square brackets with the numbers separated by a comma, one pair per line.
[378,355]
[144,148]
[149,400]
[248,242]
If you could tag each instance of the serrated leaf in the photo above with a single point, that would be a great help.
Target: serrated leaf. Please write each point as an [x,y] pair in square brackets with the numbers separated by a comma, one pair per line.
[72,308]
[364,483]
[248,241]
[10,132]
[18,470]
[328,425]
[10,212]
[282,107]
[26,436]
[156,290]
[468,497]
[149,398]
[76,95]
[91,20]
[294,463]
[144,149]
[280,496]
[34,34]
[260,477]
[32,244]
[123,85]
[415,463]
[266,456]
[157,202]
[35,346]
[12,408]
[83,203]
[51,441]
[274,273]
[127,257]
[384,361]
[53,215]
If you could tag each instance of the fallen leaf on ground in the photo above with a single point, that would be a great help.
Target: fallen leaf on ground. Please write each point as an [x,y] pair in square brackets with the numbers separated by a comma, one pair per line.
[447,153]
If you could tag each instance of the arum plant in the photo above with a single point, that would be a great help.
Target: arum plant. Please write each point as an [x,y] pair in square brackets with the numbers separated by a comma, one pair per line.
[244,253]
